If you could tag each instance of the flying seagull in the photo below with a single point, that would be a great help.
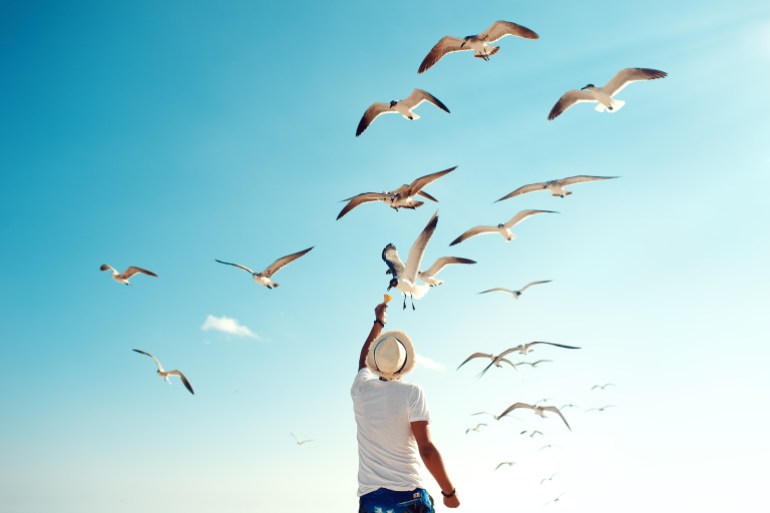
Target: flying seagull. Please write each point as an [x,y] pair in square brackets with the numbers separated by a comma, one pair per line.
[534,364]
[163,373]
[403,197]
[264,277]
[531,434]
[300,442]
[476,429]
[539,410]
[557,187]
[515,293]
[602,387]
[503,229]
[548,478]
[604,95]
[125,275]
[509,463]
[496,360]
[478,43]
[523,349]
[403,107]
[404,275]
[602,408]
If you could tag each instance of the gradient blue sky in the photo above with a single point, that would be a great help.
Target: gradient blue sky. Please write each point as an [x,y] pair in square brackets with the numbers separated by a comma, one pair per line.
[169,135]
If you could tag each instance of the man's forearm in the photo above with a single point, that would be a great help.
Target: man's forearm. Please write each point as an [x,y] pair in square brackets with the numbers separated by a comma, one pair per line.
[373,334]
[435,465]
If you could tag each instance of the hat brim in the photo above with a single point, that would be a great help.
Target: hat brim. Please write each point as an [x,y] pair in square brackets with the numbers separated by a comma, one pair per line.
[408,346]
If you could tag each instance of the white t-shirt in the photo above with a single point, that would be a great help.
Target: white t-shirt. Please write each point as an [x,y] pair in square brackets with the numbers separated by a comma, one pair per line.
[387,451]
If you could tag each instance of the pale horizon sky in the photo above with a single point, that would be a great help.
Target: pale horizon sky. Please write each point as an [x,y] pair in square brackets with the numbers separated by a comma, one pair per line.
[169,135]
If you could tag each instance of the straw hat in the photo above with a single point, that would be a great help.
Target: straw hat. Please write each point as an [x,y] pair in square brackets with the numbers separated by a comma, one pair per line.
[391,355]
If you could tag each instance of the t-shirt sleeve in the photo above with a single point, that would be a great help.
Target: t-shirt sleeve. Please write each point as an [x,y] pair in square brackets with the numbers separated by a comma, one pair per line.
[418,406]
[362,377]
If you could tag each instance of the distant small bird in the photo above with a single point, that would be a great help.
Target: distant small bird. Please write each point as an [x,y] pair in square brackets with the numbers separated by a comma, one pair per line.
[604,95]
[515,293]
[548,478]
[602,408]
[539,410]
[478,43]
[547,446]
[533,364]
[429,276]
[163,373]
[524,349]
[300,442]
[264,277]
[402,197]
[509,463]
[125,275]
[531,434]
[554,500]
[557,187]
[476,429]
[486,413]
[569,405]
[602,387]
[404,275]
[503,229]
[403,107]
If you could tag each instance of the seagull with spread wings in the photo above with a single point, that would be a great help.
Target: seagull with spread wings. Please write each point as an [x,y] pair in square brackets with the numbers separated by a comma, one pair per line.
[300,442]
[522,349]
[509,463]
[504,229]
[479,43]
[163,373]
[602,387]
[538,409]
[515,293]
[476,429]
[404,275]
[265,277]
[403,107]
[403,197]
[496,360]
[557,187]
[125,275]
[603,96]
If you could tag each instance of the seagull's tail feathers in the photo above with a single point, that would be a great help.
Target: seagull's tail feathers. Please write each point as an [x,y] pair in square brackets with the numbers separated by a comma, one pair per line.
[274,285]
[615,104]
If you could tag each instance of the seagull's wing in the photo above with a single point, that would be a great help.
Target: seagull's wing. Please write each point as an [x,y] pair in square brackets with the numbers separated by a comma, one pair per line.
[157,362]
[106,267]
[500,29]
[283,261]
[524,189]
[510,350]
[371,114]
[418,96]
[556,410]
[414,260]
[187,384]
[133,270]
[471,357]
[392,260]
[442,262]
[417,185]
[497,289]
[628,75]
[533,283]
[513,407]
[239,266]
[476,230]
[366,197]
[445,45]
[569,99]
[522,215]
[552,344]
[582,178]
[426,195]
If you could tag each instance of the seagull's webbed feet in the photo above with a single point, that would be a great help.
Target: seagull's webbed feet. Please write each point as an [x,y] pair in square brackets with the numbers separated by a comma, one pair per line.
[404,303]
[412,297]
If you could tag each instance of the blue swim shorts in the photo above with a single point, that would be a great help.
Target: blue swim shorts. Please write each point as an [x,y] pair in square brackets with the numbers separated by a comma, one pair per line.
[388,501]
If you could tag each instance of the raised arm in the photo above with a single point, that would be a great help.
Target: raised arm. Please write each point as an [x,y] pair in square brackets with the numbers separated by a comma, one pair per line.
[380,314]
[434,463]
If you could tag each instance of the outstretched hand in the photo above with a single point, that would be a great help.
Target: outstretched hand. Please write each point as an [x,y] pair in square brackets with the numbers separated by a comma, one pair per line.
[452,502]
[381,312]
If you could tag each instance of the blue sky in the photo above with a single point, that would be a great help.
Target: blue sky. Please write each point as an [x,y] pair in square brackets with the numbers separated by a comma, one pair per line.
[167,136]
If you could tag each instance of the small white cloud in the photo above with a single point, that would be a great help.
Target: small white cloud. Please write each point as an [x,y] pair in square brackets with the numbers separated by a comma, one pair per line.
[227,325]
[428,363]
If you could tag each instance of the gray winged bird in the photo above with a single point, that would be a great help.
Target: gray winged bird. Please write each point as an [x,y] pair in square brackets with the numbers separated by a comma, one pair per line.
[496,360]
[522,349]
[163,373]
[403,107]
[479,43]
[557,187]
[603,96]
[403,197]
[125,275]
[404,275]
[539,410]
[264,277]
[504,229]
[429,276]
[515,293]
